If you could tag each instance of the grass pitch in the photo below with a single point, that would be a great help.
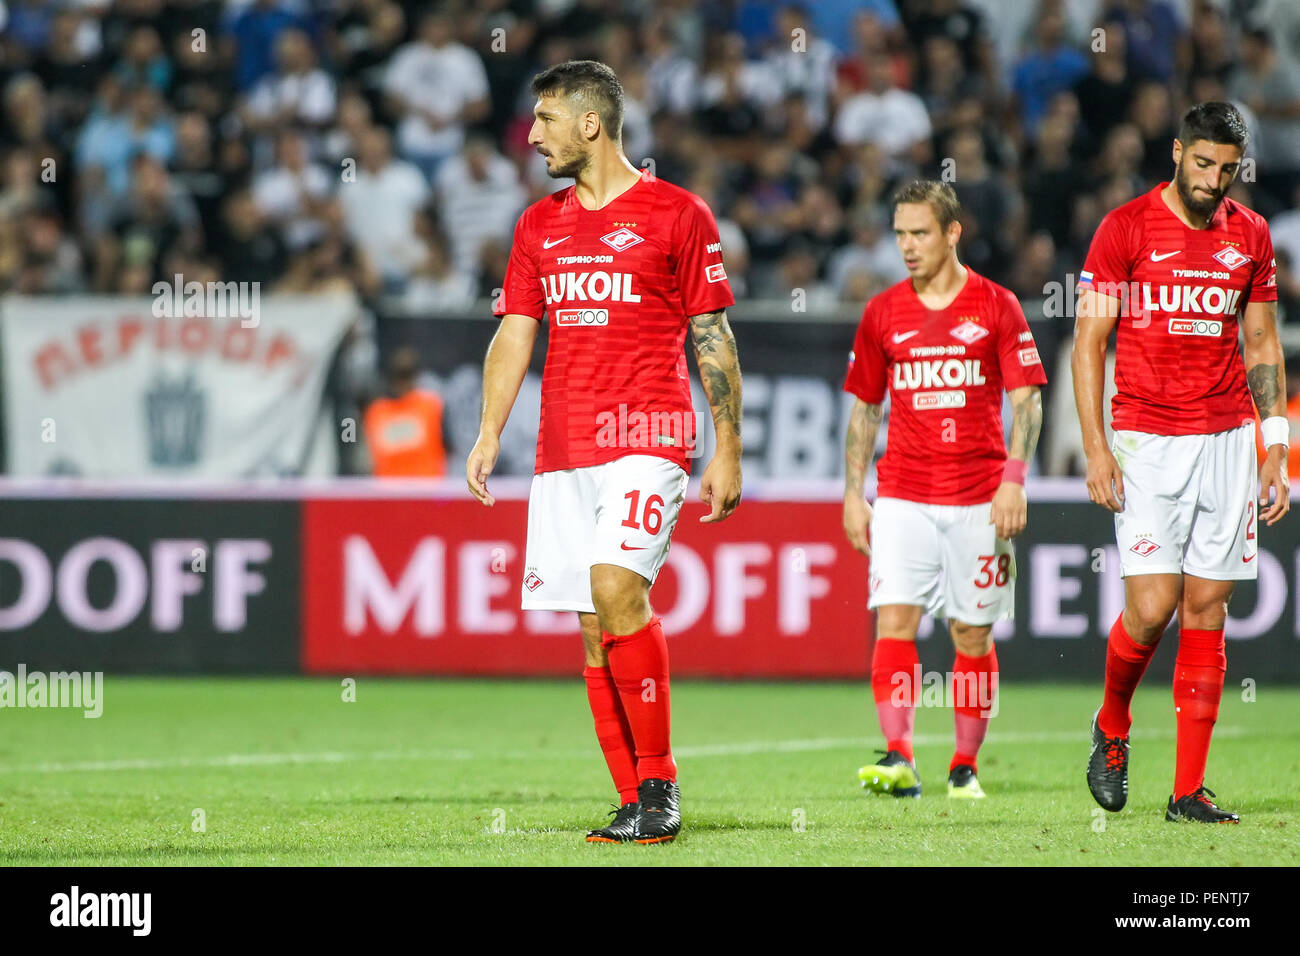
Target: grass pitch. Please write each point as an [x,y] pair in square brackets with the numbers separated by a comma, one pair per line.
[285,772]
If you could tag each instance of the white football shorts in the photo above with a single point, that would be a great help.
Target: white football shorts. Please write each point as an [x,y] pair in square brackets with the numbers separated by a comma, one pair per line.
[622,513]
[1189,504]
[947,559]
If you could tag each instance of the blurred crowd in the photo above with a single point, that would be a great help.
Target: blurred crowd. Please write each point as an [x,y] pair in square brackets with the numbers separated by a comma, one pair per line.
[381,145]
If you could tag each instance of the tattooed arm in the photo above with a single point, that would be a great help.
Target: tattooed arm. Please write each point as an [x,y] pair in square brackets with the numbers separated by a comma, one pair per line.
[1010,506]
[715,352]
[859,447]
[1266,376]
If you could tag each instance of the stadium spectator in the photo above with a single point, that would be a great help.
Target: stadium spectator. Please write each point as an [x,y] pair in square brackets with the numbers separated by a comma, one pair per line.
[195,167]
[1153,32]
[380,206]
[991,220]
[803,62]
[1052,65]
[960,22]
[143,62]
[154,221]
[436,87]
[251,38]
[365,35]
[480,196]
[896,119]
[68,69]
[436,286]
[870,262]
[1104,94]
[1269,83]
[127,121]
[298,92]
[249,249]
[404,429]
[294,192]
[1051,180]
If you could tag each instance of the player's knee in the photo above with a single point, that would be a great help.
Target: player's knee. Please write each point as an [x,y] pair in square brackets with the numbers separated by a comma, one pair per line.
[1147,616]
[897,622]
[971,641]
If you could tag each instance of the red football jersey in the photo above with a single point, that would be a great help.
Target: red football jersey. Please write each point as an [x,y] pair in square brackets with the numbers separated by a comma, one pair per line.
[618,286]
[1178,370]
[945,371]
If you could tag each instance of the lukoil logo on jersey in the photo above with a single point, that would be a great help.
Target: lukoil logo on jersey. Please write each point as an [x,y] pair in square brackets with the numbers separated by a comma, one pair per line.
[1205,299]
[952,373]
[588,287]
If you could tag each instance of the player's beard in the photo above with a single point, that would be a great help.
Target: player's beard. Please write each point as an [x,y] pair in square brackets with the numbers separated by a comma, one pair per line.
[569,161]
[1195,202]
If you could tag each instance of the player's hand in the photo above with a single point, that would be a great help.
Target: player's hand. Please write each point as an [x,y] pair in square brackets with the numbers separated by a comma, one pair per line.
[1273,475]
[1106,482]
[857,522]
[720,487]
[1010,510]
[482,459]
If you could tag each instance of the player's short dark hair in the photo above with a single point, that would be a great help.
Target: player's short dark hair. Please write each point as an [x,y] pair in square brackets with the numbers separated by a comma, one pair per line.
[941,197]
[1214,123]
[591,85]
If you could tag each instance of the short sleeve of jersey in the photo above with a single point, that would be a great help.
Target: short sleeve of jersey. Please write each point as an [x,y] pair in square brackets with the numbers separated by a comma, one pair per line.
[1263,282]
[1108,262]
[700,275]
[868,368]
[521,293]
[1018,356]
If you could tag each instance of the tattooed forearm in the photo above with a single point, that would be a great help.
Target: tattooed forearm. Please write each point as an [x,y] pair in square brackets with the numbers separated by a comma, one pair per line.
[1026,423]
[1266,387]
[860,445]
[715,351]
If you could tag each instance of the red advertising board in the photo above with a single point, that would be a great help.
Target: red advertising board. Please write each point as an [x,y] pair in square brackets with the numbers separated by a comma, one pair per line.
[431,586]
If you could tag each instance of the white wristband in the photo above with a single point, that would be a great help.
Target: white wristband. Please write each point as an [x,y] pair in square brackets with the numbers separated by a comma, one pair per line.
[1276,431]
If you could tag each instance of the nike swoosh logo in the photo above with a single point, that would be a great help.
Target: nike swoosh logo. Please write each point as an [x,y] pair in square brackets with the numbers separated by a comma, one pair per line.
[626,548]
[1156,258]
[904,336]
[1248,560]
[546,243]
[982,606]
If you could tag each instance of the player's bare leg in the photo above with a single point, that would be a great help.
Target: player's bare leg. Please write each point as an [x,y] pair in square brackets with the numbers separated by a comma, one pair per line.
[895,674]
[633,638]
[975,687]
[1198,686]
[1149,603]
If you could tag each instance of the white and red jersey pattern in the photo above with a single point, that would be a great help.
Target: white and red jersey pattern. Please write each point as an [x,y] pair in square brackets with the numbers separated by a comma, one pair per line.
[945,371]
[1178,370]
[618,286]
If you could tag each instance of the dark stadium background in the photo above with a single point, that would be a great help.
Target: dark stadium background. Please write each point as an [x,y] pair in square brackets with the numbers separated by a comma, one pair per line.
[286,145]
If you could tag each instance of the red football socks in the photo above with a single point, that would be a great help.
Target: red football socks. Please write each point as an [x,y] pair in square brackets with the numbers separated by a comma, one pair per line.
[1126,662]
[639,665]
[975,689]
[613,731]
[895,672]
[1198,685]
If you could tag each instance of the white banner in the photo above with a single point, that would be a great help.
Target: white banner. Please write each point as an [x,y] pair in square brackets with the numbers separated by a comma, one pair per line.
[105,387]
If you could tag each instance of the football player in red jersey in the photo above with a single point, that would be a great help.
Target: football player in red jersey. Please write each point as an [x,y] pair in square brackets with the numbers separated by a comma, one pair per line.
[622,264]
[950,496]
[1179,271]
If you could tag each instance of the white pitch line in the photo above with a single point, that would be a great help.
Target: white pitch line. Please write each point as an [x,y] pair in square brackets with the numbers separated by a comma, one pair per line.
[739,749]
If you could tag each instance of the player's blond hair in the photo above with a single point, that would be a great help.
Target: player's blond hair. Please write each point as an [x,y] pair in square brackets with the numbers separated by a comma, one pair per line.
[941,197]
